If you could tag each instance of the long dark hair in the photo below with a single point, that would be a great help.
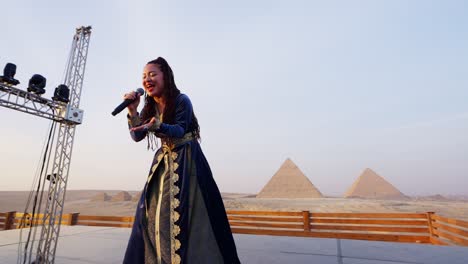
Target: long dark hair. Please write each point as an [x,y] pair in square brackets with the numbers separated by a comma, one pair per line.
[170,93]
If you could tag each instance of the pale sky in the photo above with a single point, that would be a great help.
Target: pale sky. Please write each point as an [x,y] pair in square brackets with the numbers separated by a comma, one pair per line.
[337,86]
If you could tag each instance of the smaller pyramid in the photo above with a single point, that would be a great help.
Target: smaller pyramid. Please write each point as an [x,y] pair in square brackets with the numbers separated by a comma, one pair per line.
[101,197]
[137,197]
[436,197]
[289,182]
[371,185]
[121,197]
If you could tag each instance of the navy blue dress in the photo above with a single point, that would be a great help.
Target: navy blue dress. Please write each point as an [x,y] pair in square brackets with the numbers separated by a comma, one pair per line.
[180,217]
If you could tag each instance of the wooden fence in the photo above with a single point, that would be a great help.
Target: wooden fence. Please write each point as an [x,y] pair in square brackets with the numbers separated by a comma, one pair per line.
[427,228]
[380,227]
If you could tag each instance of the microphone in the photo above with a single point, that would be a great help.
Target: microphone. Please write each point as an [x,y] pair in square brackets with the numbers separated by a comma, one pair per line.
[127,102]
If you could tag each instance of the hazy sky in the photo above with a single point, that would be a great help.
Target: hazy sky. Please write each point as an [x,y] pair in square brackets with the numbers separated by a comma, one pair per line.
[337,86]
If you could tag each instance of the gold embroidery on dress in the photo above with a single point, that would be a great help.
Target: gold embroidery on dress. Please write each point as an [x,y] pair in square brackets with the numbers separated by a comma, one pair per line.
[175,177]
[174,215]
[176,259]
[176,190]
[175,203]
[158,210]
[158,160]
[171,167]
[155,166]
[176,230]
[150,176]
[160,156]
[177,244]
[134,121]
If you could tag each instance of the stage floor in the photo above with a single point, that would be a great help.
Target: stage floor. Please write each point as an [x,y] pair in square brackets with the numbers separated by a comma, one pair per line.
[99,245]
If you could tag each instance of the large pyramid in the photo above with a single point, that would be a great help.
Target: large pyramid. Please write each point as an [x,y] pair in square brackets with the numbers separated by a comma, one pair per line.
[289,182]
[372,185]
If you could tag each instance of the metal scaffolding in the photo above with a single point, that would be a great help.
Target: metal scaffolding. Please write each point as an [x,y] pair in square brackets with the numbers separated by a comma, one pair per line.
[67,116]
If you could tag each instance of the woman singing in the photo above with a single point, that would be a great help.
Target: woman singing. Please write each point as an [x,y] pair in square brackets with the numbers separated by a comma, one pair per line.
[180,217]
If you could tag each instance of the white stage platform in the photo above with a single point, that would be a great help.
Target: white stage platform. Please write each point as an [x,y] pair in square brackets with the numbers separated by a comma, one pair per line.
[105,245]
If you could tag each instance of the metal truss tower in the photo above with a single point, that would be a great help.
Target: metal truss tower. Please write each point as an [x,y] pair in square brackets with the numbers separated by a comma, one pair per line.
[67,116]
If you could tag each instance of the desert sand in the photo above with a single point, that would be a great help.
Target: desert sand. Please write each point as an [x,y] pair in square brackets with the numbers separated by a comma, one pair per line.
[82,201]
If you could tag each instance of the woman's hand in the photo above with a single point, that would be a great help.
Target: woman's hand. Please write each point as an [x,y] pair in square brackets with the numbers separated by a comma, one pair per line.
[153,124]
[132,108]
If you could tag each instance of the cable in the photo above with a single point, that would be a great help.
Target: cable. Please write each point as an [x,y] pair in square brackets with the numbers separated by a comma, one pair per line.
[51,180]
[31,192]
[67,66]
[46,152]
[37,193]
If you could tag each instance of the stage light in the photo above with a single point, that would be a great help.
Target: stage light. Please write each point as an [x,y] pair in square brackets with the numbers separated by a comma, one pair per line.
[37,84]
[52,177]
[9,74]
[62,94]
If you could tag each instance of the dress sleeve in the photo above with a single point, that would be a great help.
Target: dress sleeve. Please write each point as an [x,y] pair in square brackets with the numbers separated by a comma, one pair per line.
[133,122]
[183,119]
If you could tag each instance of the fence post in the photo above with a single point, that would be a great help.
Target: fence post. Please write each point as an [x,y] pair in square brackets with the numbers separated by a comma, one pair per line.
[10,220]
[72,218]
[306,220]
[429,224]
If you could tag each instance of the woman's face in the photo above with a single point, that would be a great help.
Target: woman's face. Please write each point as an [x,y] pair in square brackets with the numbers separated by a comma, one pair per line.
[153,80]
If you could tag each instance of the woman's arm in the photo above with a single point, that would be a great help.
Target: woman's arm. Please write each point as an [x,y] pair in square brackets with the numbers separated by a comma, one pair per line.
[133,117]
[134,121]
[183,118]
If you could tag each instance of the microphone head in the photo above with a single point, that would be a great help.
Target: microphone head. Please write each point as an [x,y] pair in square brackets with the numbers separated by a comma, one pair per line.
[140,91]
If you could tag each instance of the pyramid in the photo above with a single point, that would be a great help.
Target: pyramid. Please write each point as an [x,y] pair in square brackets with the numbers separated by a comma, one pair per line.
[289,182]
[136,197]
[121,197]
[372,185]
[101,197]
[436,197]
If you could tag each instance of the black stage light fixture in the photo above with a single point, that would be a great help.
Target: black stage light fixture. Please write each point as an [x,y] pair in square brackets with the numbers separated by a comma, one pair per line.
[9,74]
[62,94]
[51,177]
[37,84]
